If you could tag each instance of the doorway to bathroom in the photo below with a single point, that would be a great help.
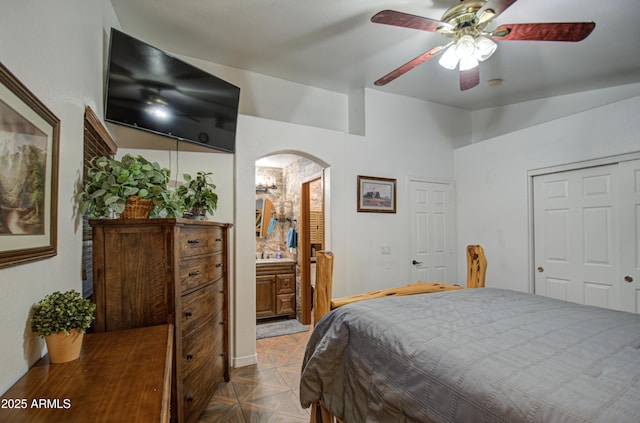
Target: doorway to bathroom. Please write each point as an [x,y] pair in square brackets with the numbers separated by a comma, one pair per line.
[289,192]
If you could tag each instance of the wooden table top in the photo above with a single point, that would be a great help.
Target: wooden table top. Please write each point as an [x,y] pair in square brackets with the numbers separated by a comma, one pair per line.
[122,376]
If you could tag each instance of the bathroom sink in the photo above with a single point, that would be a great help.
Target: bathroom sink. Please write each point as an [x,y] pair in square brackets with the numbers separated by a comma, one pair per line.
[275,260]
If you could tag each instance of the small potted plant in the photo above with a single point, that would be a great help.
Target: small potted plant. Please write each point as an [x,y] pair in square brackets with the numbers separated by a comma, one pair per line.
[172,205]
[62,318]
[129,187]
[198,195]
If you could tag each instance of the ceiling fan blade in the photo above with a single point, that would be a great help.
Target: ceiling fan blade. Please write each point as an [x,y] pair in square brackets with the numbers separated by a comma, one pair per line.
[410,65]
[493,8]
[469,78]
[391,17]
[559,31]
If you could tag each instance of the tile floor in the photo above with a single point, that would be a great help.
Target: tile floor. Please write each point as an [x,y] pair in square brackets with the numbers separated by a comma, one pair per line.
[266,392]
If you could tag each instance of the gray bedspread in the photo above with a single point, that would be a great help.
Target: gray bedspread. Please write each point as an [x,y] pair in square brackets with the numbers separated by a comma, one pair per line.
[474,355]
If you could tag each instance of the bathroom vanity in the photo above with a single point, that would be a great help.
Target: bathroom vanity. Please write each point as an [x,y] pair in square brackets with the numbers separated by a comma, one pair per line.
[275,288]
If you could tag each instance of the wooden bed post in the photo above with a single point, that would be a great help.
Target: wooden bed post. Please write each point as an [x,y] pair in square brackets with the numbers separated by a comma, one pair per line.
[476,266]
[324,284]
[321,306]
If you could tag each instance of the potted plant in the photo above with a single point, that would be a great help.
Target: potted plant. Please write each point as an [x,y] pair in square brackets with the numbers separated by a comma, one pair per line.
[198,195]
[132,182]
[62,318]
[172,205]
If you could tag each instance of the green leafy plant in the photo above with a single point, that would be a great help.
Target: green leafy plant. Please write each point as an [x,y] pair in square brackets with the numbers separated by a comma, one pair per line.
[61,312]
[110,182]
[197,194]
[172,205]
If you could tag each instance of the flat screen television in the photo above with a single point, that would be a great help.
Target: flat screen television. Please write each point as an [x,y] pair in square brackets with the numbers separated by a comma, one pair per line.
[150,90]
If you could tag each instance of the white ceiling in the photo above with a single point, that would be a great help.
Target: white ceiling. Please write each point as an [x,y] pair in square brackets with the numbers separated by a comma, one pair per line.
[332,44]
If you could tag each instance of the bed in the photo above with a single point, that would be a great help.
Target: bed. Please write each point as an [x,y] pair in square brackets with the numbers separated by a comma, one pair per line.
[474,355]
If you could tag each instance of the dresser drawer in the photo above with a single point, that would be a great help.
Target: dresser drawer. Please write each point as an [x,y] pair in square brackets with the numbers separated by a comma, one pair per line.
[196,241]
[285,284]
[198,271]
[200,384]
[201,305]
[200,345]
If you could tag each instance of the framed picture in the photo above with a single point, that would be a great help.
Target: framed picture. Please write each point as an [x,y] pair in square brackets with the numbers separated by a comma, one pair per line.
[29,141]
[376,195]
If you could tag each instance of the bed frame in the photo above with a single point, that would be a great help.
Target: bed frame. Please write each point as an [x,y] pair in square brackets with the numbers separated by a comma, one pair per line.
[323,303]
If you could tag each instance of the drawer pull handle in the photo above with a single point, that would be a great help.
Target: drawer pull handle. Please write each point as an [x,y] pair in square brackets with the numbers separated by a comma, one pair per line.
[188,314]
[221,323]
[193,241]
[219,265]
[218,239]
[189,399]
[196,273]
[189,357]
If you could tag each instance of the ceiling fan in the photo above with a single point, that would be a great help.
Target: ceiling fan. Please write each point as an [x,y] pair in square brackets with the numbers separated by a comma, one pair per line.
[470,42]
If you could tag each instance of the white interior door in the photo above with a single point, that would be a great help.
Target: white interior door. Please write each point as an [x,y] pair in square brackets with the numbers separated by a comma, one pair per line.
[432,231]
[629,277]
[586,235]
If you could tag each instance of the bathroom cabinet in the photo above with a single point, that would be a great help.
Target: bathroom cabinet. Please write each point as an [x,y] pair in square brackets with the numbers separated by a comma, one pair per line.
[275,288]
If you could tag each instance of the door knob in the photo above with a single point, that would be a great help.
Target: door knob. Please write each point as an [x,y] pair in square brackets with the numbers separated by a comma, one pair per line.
[540,269]
[415,263]
[628,278]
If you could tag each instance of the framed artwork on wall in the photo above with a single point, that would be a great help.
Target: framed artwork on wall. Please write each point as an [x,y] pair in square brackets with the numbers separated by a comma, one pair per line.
[377,195]
[29,142]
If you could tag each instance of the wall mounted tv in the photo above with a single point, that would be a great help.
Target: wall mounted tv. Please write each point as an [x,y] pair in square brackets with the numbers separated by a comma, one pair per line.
[150,90]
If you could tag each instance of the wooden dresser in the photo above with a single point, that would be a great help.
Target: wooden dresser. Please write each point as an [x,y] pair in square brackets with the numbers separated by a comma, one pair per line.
[275,288]
[155,271]
[122,376]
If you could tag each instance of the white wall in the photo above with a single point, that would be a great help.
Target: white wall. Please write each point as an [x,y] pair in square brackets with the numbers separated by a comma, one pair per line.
[56,50]
[258,138]
[491,180]
[276,99]
[405,137]
[495,121]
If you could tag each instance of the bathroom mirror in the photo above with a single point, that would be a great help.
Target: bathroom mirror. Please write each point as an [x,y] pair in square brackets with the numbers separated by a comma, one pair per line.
[265,211]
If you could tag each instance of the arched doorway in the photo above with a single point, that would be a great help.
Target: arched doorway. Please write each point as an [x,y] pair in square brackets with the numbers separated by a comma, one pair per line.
[291,185]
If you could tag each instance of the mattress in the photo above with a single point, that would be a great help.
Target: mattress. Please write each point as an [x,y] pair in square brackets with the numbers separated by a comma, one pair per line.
[474,355]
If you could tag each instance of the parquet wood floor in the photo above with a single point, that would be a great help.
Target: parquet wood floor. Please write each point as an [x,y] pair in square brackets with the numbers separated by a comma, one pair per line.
[266,392]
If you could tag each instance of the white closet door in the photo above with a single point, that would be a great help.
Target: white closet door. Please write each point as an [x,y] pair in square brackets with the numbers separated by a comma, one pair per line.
[630,236]
[576,236]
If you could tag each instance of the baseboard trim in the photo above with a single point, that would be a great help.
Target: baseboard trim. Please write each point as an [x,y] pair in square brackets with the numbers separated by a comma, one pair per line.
[245,361]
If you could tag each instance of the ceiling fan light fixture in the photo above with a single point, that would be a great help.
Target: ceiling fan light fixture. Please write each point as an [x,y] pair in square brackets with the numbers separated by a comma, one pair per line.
[468,63]
[464,25]
[485,47]
[465,47]
[449,59]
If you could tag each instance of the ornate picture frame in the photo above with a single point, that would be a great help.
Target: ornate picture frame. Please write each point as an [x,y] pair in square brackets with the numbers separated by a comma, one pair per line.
[376,195]
[29,145]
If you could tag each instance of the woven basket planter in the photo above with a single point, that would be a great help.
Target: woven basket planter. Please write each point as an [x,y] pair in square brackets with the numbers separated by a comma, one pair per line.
[137,208]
